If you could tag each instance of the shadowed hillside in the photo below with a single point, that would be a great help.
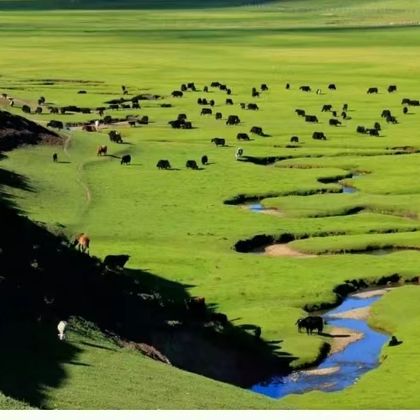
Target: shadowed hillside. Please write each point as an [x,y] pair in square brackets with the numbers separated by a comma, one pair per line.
[43,279]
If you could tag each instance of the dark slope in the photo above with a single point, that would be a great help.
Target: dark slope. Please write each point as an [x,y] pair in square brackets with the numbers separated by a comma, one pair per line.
[43,279]
[18,131]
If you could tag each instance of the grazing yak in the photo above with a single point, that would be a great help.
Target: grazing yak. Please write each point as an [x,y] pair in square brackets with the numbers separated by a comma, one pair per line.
[115,136]
[326,107]
[229,101]
[360,129]
[215,84]
[332,86]
[305,88]
[204,160]
[125,159]
[391,119]
[212,102]
[243,105]
[177,94]
[405,110]
[345,107]
[89,128]
[233,120]
[344,115]
[300,112]
[311,323]
[392,88]
[372,132]
[191,86]
[163,164]
[144,120]
[182,117]
[55,157]
[253,107]
[26,109]
[218,141]
[242,136]
[102,150]
[386,113]
[287,86]
[206,111]
[38,110]
[56,124]
[257,130]
[53,109]
[311,118]
[116,261]
[206,89]
[219,116]
[334,122]
[394,341]
[372,90]
[294,139]
[82,242]
[377,126]
[319,135]
[196,305]
[264,87]
[192,164]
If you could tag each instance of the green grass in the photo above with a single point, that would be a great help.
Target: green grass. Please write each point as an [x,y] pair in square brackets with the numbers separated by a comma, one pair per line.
[174,223]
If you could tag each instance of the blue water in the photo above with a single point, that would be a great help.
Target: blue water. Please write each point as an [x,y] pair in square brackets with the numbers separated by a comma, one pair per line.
[256,207]
[355,360]
[348,190]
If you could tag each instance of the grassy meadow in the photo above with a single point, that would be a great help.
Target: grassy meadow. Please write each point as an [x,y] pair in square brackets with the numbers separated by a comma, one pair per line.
[174,223]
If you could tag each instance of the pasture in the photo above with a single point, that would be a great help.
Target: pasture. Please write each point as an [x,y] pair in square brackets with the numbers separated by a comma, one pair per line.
[175,223]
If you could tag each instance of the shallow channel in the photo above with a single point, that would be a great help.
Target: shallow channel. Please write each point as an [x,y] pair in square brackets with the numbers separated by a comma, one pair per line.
[341,369]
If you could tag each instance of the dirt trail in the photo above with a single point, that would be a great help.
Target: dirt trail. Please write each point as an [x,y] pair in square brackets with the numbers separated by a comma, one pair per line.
[66,146]
[283,250]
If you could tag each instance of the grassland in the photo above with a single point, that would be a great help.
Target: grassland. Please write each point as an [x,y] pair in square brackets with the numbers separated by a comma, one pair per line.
[175,224]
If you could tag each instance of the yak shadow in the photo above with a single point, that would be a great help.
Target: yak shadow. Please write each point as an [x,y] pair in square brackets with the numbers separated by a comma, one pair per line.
[63,161]
[334,335]
[79,364]
[97,346]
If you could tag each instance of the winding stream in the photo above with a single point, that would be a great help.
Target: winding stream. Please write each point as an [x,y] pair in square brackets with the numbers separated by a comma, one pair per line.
[342,368]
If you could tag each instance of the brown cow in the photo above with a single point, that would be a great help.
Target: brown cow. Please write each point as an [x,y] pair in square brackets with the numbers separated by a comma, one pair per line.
[81,242]
[102,150]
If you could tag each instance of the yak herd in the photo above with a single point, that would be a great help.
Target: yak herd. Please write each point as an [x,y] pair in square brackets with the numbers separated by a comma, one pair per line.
[310,323]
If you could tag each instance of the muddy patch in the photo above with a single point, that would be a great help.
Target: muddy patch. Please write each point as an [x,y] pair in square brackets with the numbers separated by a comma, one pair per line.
[284,250]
